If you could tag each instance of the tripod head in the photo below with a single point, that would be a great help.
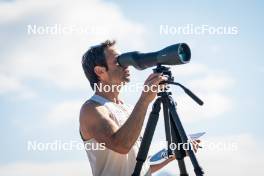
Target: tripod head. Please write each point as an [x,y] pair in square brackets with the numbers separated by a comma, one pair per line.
[166,71]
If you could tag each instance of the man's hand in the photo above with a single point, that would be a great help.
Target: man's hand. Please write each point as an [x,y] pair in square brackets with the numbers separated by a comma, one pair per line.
[151,86]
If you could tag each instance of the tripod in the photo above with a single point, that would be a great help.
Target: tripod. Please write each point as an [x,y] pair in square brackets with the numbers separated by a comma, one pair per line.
[175,133]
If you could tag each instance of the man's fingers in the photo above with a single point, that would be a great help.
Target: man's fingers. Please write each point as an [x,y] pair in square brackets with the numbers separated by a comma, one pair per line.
[195,145]
[196,141]
[152,76]
[155,80]
[158,80]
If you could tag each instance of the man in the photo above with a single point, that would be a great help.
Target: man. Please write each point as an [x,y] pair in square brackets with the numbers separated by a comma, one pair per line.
[104,119]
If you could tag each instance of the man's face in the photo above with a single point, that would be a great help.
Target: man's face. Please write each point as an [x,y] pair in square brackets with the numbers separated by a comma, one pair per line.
[115,74]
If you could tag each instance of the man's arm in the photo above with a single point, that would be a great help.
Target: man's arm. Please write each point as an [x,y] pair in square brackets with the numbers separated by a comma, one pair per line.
[157,167]
[101,127]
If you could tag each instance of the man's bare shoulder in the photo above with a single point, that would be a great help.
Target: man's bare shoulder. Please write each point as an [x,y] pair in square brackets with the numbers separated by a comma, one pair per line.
[91,111]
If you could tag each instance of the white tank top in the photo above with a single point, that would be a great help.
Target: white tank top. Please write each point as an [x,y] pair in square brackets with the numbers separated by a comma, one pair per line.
[108,162]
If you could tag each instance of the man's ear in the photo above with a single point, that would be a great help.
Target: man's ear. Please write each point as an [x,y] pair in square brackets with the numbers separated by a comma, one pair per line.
[99,71]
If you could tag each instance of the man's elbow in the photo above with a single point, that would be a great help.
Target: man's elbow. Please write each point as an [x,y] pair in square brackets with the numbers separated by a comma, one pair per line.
[120,147]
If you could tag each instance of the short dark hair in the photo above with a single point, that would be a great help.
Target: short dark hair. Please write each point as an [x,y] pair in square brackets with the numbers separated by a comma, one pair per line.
[95,57]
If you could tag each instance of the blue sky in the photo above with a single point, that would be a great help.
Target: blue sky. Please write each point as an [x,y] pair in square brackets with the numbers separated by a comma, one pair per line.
[42,84]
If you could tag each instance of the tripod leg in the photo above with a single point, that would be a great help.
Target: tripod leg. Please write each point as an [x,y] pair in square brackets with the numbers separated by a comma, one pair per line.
[167,124]
[176,120]
[179,152]
[183,171]
[147,137]
[172,137]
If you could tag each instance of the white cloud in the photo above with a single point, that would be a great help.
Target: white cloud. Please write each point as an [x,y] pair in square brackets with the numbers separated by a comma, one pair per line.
[14,11]
[56,59]
[190,69]
[213,82]
[215,104]
[64,113]
[9,85]
[211,85]
[65,168]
